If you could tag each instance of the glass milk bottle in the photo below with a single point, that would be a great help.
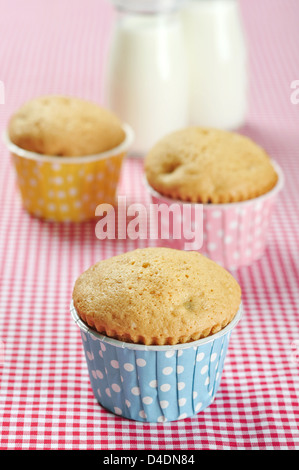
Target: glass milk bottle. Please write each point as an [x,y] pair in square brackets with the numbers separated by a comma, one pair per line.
[218,63]
[146,71]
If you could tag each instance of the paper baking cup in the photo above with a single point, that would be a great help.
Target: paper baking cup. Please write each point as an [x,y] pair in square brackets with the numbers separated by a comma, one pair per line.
[234,234]
[68,188]
[154,383]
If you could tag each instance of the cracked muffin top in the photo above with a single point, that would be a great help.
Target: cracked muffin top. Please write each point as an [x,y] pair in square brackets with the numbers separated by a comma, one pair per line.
[209,166]
[64,126]
[157,296]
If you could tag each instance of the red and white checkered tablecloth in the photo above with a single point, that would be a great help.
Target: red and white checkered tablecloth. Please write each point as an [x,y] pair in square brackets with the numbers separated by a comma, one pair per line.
[46,401]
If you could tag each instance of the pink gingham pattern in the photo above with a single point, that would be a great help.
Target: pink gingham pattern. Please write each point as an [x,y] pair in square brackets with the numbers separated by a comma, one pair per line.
[46,401]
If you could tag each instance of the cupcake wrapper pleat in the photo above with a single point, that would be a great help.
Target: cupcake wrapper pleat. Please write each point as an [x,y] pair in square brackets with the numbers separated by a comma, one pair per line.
[155,385]
[67,192]
[233,235]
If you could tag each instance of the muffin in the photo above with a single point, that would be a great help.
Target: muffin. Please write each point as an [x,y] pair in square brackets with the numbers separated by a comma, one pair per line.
[229,179]
[65,126]
[68,155]
[157,296]
[140,315]
[209,166]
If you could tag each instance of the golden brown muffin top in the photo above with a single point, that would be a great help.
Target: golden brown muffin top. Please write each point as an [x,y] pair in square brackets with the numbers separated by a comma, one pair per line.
[64,126]
[157,296]
[209,165]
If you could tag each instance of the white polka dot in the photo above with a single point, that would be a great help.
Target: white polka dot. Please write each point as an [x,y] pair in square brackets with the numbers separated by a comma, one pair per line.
[233,224]
[147,400]
[115,387]
[135,391]
[228,239]
[117,410]
[90,355]
[103,347]
[128,367]
[216,214]
[180,369]
[204,369]
[58,180]
[141,362]
[182,401]
[114,364]
[128,403]
[64,207]
[198,406]
[200,356]
[51,207]
[61,194]
[181,385]
[213,357]
[212,246]
[56,166]
[73,191]
[195,394]
[180,352]
[100,374]
[165,387]
[169,353]
[142,414]
[167,370]
[33,182]
[153,383]
[161,419]
[108,392]
[89,177]
[236,255]
[164,404]
[101,353]
[207,381]
[183,416]
[99,392]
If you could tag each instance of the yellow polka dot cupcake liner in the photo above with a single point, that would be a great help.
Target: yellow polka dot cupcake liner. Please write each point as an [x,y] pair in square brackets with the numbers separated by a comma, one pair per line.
[68,188]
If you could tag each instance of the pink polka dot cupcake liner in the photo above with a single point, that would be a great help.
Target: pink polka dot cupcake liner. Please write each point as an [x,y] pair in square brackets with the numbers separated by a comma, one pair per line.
[155,383]
[233,235]
[64,189]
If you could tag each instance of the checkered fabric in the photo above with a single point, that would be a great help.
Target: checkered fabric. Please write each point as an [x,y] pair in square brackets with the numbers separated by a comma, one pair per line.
[46,401]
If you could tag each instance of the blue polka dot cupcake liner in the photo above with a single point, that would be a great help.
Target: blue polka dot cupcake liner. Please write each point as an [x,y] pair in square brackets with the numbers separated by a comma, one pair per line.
[154,383]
